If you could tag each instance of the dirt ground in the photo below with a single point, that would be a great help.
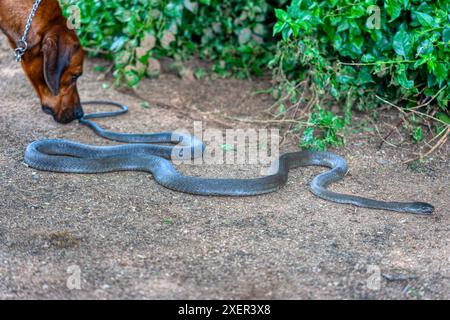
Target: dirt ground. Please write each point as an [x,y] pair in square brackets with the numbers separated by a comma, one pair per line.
[124,236]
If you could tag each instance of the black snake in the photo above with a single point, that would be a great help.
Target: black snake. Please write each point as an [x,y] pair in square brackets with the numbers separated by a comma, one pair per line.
[150,152]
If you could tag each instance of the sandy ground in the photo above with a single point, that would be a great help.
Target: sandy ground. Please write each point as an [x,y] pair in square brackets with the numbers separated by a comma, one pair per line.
[130,238]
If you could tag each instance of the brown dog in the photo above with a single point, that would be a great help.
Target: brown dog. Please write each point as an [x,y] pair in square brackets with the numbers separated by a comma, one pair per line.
[54,59]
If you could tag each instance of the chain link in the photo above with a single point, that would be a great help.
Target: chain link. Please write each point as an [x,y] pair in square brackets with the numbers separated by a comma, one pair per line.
[22,44]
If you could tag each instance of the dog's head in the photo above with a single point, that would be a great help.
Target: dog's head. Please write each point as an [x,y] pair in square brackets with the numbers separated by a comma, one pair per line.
[54,71]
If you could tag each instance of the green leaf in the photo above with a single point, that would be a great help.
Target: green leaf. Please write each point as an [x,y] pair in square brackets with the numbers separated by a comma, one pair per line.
[99,68]
[200,73]
[278,27]
[368,58]
[294,9]
[402,43]
[393,8]
[425,19]
[168,222]
[308,135]
[123,15]
[364,76]
[281,15]
[446,35]
[402,79]
[425,47]
[344,79]
[418,134]
[357,11]
[443,117]
[440,71]
[131,78]
[286,33]
[118,44]
[295,28]
[281,109]
[191,6]
[145,104]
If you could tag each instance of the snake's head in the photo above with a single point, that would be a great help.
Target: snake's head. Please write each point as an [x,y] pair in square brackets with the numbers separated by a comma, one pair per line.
[420,208]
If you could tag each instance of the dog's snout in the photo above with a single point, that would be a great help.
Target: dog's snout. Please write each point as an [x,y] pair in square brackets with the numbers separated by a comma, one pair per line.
[67,115]
[48,110]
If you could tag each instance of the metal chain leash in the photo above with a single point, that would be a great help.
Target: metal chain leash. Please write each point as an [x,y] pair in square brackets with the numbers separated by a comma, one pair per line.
[22,44]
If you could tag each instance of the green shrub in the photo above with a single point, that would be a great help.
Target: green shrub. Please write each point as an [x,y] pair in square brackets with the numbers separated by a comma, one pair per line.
[136,34]
[366,53]
[329,58]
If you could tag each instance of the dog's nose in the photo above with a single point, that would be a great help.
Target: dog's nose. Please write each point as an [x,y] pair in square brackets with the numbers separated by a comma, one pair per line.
[48,110]
[79,112]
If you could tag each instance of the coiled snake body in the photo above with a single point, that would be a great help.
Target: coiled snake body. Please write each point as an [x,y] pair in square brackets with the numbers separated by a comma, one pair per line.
[144,152]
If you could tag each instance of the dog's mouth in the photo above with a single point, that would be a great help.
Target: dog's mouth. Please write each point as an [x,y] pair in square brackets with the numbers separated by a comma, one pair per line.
[48,110]
[65,116]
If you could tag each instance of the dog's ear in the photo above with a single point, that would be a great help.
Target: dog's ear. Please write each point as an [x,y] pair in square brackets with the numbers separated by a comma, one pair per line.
[56,60]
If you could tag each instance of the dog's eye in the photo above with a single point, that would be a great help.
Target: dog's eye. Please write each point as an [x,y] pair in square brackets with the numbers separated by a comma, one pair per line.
[75,77]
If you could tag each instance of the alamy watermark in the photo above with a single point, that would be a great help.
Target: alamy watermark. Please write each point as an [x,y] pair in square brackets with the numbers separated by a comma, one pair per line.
[229,147]
[373,282]
[73,15]
[74,280]
[374,20]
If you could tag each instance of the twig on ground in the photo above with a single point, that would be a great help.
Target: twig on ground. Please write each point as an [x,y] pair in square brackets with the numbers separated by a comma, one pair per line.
[182,111]
[266,121]
[210,117]
[384,139]
[429,101]
[438,144]
[410,110]
[299,102]
[284,98]
[107,72]
[441,140]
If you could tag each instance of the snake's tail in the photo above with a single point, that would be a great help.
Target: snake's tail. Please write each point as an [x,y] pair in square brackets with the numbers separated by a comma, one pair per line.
[319,188]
